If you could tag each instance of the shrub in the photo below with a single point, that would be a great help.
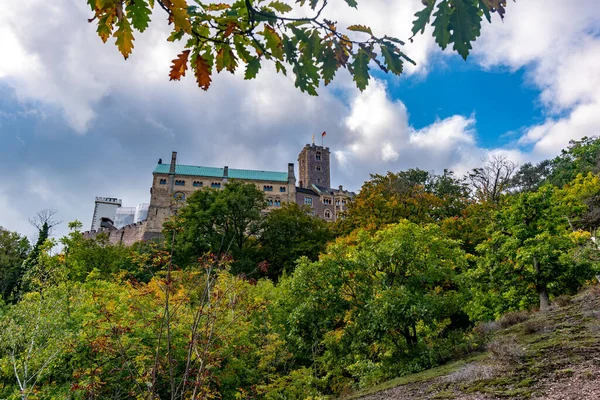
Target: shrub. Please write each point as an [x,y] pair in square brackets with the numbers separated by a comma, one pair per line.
[486,328]
[506,350]
[513,318]
[472,372]
[562,300]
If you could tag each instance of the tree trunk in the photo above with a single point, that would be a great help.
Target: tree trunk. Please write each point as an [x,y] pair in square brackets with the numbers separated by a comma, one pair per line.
[541,287]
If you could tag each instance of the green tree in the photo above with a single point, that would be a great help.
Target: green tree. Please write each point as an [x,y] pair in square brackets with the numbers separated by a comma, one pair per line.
[14,249]
[82,256]
[529,177]
[289,233]
[414,194]
[221,36]
[375,304]
[219,221]
[580,157]
[528,256]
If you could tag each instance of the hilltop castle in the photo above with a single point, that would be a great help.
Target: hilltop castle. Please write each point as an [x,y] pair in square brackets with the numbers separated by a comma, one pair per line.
[172,183]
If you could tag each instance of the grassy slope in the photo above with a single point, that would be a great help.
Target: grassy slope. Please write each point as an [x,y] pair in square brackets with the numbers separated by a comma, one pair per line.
[552,354]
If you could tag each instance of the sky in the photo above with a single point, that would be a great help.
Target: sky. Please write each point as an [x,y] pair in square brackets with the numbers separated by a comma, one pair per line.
[77,121]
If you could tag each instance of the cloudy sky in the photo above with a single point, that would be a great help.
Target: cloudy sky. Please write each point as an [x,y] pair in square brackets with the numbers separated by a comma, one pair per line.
[77,121]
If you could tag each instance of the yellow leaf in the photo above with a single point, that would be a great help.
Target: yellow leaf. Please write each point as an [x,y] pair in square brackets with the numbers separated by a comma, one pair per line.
[179,15]
[124,37]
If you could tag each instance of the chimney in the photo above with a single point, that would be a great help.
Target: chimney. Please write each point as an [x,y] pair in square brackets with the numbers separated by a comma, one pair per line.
[225,172]
[341,188]
[291,175]
[173,162]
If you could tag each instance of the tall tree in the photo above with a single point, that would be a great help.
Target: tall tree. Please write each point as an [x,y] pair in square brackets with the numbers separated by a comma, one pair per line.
[289,233]
[14,249]
[580,157]
[493,179]
[219,221]
[528,256]
[221,36]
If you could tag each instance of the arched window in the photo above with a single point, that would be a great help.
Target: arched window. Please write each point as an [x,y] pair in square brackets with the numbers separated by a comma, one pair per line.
[215,185]
[198,184]
[163,181]
[270,202]
[318,156]
[318,168]
[327,214]
[179,196]
[179,183]
[277,202]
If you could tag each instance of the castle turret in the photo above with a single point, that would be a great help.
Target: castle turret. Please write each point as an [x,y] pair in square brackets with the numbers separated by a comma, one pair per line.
[313,163]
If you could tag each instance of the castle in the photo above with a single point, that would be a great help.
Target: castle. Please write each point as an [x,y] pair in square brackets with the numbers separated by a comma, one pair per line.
[172,183]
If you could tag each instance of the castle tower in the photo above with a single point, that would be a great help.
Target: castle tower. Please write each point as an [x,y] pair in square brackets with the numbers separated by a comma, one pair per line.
[313,164]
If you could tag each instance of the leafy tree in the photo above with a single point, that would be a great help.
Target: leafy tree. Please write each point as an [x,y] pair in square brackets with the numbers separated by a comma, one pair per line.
[221,36]
[83,256]
[219,221]
[416,195]
[529,177]
[289,233]
[13,252]
[581,156]
[375,301]
[528,256]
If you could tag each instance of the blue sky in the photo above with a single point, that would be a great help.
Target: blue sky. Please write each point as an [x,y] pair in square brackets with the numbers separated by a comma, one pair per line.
[503,102]
[76,121]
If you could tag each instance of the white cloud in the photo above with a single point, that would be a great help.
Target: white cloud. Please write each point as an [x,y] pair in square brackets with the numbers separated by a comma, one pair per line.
[559,45]
[132,114]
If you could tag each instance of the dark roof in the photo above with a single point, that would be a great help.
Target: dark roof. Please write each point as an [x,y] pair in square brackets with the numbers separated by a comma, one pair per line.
[306,191]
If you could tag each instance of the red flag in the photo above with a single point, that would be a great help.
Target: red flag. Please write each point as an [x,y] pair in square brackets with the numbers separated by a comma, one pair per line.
[323,134]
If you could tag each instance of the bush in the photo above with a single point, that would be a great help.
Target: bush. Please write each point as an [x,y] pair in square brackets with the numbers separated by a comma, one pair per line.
[513,318]
[534,326]
[486,328]
[506,350]
[472,372]
[562,300]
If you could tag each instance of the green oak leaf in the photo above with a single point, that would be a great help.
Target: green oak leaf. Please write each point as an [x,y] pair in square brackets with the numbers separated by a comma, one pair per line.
[465,23]
[423,17]
[440,24]
[252,68]
[360,68]
[139,13]
[392,59]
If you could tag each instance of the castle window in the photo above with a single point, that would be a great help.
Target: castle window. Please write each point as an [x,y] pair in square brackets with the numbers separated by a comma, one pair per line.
[308,201]
[327,214]
[179,183]
[178,196]
[318,168]
[277,203]
[163,181]
[198,184]
[268,188]
[318,156]
[270,202]
[327,200]
[215,185]
[282,189]
[337,202]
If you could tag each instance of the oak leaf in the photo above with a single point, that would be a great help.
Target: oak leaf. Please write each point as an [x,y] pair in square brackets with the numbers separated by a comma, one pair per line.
[203,70]
[179,66]
[124,37]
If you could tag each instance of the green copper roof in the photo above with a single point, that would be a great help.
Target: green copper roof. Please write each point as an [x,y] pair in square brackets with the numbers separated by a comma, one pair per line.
[213,172]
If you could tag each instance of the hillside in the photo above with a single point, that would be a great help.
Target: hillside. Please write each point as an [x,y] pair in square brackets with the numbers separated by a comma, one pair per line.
[544,355]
